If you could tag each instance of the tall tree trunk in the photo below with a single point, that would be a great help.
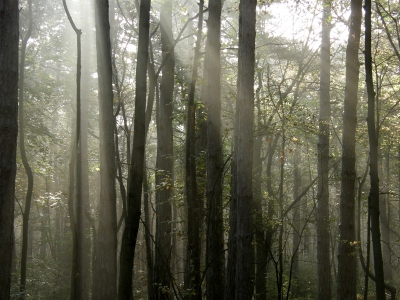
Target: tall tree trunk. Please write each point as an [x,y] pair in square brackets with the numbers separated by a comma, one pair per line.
[135,178]
[212,98]
[27,167]
[373,198]
[260,251]
[244,146]
[165,159]
[347,281]
[77,280]
[9,24]
[85,99]
[147,235]
[323,222]
[297,230]
[192,273]
[105,269]
[384,206]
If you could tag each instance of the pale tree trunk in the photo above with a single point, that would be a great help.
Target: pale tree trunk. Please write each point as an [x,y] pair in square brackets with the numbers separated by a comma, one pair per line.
[347,280]
[105,268]
[27,167]
[164,164]
[260,251]
[244,146]
[323,224]
[214,164]
[297,228]
[135,177]
[9,24]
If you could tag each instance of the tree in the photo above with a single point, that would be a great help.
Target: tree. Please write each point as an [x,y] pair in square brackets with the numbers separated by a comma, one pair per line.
[192,272]
[323,222]
[27,167]
[165,158]
[9,24]
[243,146]
[373,198]
[135,178]
[212,77]
[105,274]
[347,282]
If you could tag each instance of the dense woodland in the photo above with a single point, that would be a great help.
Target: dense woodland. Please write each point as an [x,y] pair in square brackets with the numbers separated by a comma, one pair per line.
[199,149]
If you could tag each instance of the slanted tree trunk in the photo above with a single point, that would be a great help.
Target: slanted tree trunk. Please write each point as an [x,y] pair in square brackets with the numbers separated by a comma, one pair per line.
[135,177]
[214,164]
[323,222]
[192,272]
[244,146]
[373,198]
[165,159]
[9,24]
[105,268]
[27,167]
[347,281]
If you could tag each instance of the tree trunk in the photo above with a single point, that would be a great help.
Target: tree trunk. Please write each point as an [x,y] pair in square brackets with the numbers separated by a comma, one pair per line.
[260,251]
[244,146]
[347,281]
[214,164]
[105,269]
[192,273]
[297,230]
[27,167]
[373,198]
[323,222]
[135,178]
[165,159]
[9,24]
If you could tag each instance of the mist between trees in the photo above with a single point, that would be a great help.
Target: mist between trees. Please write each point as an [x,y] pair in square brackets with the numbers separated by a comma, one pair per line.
[199,149]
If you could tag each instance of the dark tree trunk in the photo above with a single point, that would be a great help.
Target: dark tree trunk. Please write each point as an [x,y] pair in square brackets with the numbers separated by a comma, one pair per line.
[244,146]
[323,222]
[9,24]
[347,280]
[212,98]
[165,159]
[373,198]
[27,167]
[147,235]
[135,179]
[77,280]
[192,272]
[105,268]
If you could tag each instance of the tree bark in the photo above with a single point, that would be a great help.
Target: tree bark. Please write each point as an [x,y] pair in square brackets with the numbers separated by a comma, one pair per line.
[214,164]
[9,24]
[323,222]
[105,269]
[244,146]
[165,159]
[27,167]
[347,281]
[192,272]
[373,198]
[135,177]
